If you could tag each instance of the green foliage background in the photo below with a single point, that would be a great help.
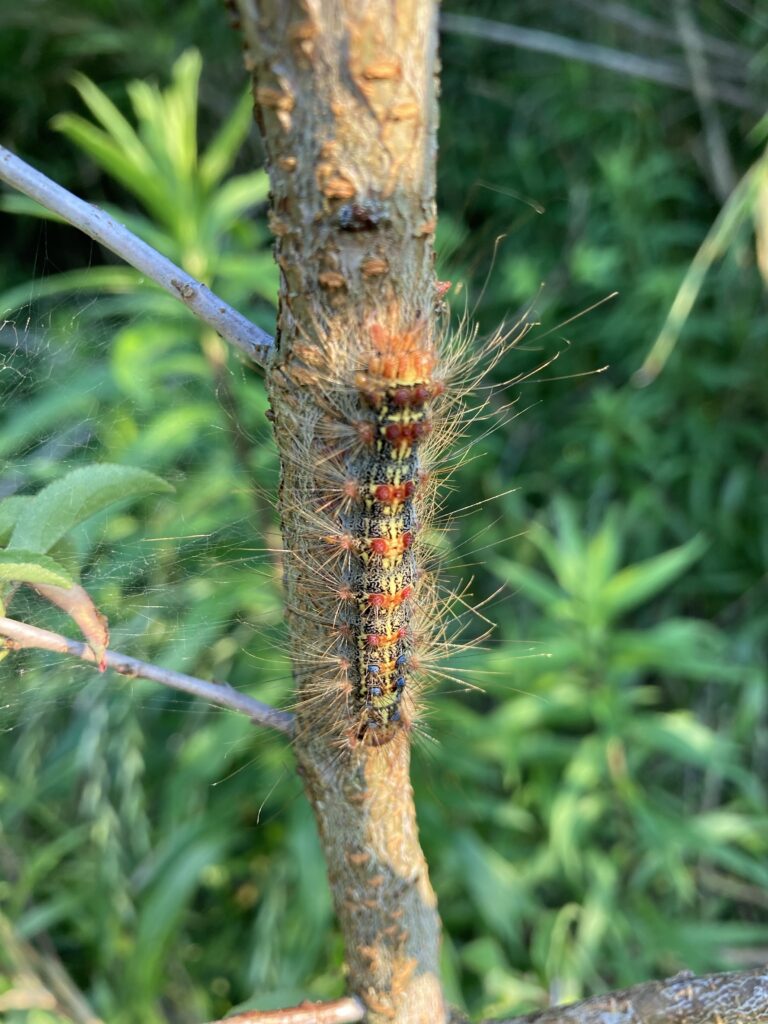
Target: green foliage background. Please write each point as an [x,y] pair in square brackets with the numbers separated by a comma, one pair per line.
[593,816]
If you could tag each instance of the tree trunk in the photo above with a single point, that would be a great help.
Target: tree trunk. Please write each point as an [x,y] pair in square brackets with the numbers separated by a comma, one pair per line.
[346,101]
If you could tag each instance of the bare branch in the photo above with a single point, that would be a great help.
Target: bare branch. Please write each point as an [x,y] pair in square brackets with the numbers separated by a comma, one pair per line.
[39,980]
[653,29]
[20,635]
[719,156]
[666,72]
[340,1011]
[97,224]
[737,997]
[346,102]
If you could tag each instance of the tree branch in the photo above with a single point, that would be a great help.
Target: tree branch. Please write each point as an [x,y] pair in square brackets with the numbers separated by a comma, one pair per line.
[738,56]
[20,635]
[346,102]
[99,225]
[716,141]
[665,72]
[737,997]
[340,1011]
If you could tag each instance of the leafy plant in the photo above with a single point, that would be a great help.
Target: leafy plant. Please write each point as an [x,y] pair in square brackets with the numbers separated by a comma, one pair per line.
[581,785]
[194,211]
[598,814]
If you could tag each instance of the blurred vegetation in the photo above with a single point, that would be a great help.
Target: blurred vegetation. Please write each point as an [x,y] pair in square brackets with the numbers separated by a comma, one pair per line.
[596,814]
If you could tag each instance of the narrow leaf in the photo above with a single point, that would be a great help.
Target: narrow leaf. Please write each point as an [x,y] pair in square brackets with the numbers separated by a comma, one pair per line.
[530,582]
[220,154]
[638,583]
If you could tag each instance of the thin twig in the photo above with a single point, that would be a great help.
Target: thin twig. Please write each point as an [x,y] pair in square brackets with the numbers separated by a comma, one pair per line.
[340,1011]
[736,997]
[653,29]
[720,162]
[97,224]
[40,980]
[21,635]
[666,72]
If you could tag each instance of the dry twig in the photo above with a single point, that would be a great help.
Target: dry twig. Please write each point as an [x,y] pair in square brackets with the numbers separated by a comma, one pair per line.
[737,997]
[20,635]
[340,1011]
[723,174]
[99,225]
[665,72]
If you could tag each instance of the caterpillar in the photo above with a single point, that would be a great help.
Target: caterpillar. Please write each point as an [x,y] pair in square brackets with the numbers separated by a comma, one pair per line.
[367,430]
[397,384]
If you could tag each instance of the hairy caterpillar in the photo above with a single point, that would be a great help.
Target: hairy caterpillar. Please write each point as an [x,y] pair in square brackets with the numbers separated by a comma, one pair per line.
[367,431]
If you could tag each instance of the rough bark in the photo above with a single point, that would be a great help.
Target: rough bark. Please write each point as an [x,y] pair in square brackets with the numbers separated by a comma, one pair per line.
[346,101]
[740,997]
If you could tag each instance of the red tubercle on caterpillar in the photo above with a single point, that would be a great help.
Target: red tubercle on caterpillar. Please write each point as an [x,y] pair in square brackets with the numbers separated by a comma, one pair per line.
[406,433]
[417,395]
[390,547]
[379,545]
[392,494]
[390,600]
[402,396]
[386,639]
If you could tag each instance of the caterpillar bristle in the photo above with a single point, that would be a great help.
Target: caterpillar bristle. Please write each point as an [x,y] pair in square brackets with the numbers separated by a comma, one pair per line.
[375,437]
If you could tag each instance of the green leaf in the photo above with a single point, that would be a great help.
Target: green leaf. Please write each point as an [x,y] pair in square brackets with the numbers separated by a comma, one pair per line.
[220,154]
[10,510]
[127,142]
[180,113]
[603,553]
[20,566]
[738,208]
[55,408]
[139,180]
[67,502]
[15,203]
[115,280]
[235,197]
[530,582]
[638,583]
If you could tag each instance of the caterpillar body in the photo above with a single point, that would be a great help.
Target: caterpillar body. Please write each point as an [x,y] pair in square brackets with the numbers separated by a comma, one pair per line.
[362,432]
[398,388]
[362,427]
